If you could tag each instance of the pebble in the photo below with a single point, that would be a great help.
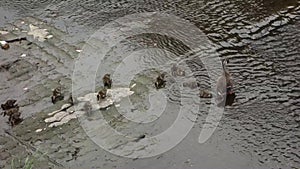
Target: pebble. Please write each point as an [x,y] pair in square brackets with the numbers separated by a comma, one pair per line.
[38,130]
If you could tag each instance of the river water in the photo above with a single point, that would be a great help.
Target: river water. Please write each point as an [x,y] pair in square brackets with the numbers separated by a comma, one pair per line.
[259,38]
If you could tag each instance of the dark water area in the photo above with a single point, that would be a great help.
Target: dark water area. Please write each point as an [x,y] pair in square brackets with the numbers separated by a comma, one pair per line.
[260,38]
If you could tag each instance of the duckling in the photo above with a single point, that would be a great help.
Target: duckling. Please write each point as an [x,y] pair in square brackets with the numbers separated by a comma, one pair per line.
[10,111]
[205,94]
[56,95]
[107,82]
[14,116]
[176,71]
[101,94]
[160,81]
[10,103]
[225,93]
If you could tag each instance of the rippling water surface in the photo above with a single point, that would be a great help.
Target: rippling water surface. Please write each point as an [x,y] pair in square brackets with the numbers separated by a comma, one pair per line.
[259,38]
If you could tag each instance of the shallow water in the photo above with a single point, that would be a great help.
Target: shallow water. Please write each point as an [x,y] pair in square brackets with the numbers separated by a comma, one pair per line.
[259,38]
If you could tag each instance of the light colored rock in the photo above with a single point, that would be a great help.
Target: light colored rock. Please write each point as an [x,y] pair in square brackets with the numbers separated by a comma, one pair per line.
[54,112]
[38,130]
[57,117]
[86,103]
[3,32]
[38,33]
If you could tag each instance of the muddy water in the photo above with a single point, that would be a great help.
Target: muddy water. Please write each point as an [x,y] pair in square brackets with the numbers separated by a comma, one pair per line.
[261,41]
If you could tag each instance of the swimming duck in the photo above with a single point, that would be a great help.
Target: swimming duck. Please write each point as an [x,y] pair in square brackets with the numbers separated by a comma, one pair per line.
[160,81]
[176,71]
[107,82]
[225,93]
[56,95]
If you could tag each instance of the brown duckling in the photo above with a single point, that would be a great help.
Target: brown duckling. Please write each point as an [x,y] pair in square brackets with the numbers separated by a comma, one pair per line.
[205,94]
[56,95]
[101,94]
[176,71]
[107,81]
[160,81]
[10,103]
[225,93]
[14,116]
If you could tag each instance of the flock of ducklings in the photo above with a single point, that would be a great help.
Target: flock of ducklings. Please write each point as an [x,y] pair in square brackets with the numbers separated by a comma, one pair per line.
[224,97]
[11,109]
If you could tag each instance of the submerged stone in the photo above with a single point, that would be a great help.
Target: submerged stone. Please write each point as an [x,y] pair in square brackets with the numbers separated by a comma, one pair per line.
[85,104]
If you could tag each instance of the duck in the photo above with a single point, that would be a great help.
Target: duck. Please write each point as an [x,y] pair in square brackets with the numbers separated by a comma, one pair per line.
[14,115]
[101,94]
[225,93]
[205,94]
[107,81]
[160,81]
[56,95]
[10,103]
[176,71]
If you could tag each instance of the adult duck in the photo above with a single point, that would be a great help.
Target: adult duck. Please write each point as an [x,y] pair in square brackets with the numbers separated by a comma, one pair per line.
[225,93]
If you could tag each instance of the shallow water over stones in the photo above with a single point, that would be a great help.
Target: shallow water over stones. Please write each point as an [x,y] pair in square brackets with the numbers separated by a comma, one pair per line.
[260,39]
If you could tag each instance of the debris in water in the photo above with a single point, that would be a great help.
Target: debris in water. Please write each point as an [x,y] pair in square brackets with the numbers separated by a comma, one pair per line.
[132,86]
[38,33]
[3,32]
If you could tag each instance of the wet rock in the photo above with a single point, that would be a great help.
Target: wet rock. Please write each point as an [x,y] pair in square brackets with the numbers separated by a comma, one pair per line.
[4,155]
[4,45]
